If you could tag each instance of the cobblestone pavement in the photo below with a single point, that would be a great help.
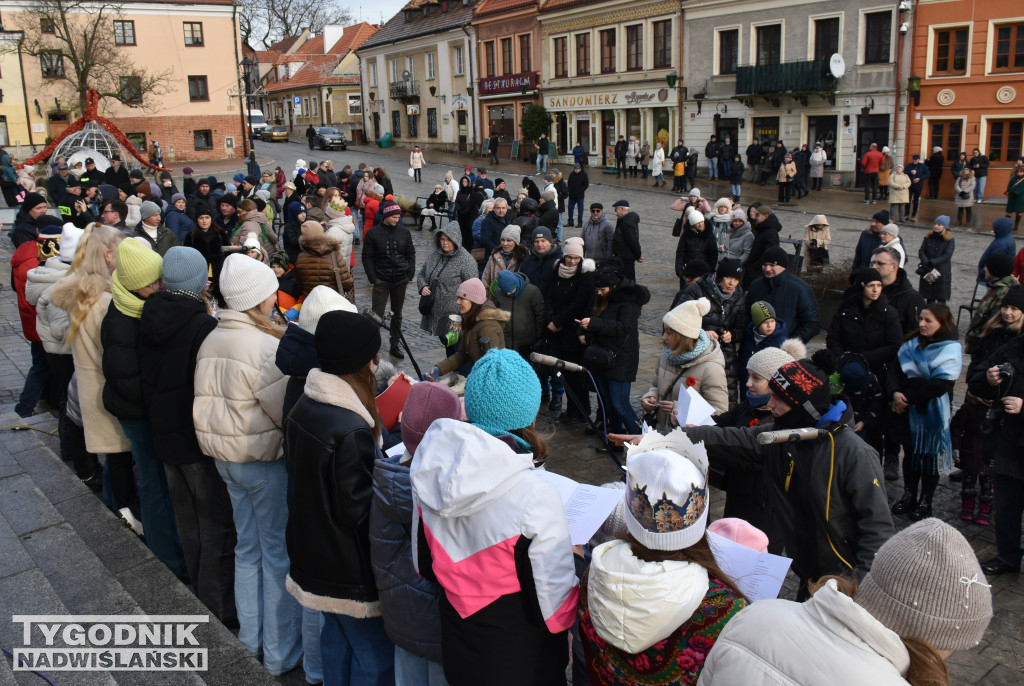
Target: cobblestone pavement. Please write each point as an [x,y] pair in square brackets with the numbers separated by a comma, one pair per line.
[62,552]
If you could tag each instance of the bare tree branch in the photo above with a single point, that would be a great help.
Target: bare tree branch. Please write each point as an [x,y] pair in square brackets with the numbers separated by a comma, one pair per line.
[274,20]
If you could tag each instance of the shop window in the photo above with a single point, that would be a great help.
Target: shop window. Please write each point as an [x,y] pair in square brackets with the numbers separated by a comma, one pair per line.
[582,54]
[663,43]
[561,50]
[501,122]
[950,50]
[877,37]
[769,44]
[1009,48]
[607,51]
[826,37]
[728,51]
[203,139]
[1004,140]
[635,47]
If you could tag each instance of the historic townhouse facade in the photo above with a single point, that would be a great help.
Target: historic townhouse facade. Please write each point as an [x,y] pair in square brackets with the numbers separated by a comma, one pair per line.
[606,68]
[969,59]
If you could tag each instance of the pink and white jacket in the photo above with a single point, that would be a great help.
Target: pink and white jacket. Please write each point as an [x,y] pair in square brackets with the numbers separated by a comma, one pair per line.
[495,538]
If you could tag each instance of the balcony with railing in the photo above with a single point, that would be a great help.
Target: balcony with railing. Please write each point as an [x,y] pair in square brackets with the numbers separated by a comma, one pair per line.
[786,78]
[404,91]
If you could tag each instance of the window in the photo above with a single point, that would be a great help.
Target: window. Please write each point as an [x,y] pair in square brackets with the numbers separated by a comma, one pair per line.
[458,59]
[197,88]
[582,54]
[489,68]
[948,135]
[371,72]
[193,32]
[52,64]
[396,123]
[634,47]
[877,37]
[525,54]
[1004,140]
[355,103]
[131,89]
[1009,48]
[507,58]
[46,25]
[431,122]
[826,38]
[410,66]
[561,47]
[607,51]
[728,51]
[413,125]
[203,139]
[950,51]
[663,43]
[431,71]
[314,109]
[393,67]
[769,44]
[124,33]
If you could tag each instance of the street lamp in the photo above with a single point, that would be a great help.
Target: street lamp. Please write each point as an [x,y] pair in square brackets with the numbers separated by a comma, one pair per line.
[247,65]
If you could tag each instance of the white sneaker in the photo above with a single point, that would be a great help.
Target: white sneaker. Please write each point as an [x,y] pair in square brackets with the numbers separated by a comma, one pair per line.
[130,521]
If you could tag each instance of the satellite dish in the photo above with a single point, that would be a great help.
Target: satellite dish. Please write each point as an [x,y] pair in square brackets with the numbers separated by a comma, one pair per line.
[837,65]
[406,76]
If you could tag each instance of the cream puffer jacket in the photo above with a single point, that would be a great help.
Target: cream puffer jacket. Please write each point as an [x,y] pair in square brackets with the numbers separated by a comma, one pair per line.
[827,640]
[707,371]
[51,321]
[239,393]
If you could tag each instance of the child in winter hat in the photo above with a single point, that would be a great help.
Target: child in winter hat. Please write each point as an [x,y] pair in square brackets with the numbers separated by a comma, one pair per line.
[426,403]
[686,319]
[667,500]
[762,317]
[502,393]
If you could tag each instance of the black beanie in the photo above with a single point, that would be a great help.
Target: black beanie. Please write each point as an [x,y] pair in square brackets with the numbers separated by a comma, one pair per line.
[346,342]
[775,255]
[607,275]
[32,200]
[1014,297]
[866,276]
[999,265]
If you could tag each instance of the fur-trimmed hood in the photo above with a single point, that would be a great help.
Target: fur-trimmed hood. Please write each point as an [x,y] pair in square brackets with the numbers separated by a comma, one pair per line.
[319,245]
[330,389]
[490,312]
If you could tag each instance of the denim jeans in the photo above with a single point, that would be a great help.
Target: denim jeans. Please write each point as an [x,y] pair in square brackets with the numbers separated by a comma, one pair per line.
[870,186]
[577,204]
[157,511]
[413,670]
[726,168]
[268,616]
[312,627]
[736,190]
[356,651]
[559,229]
[550,384]
[36,381]
[619,411]
[979,188]
[542,161]
[1009,505]
[712,167]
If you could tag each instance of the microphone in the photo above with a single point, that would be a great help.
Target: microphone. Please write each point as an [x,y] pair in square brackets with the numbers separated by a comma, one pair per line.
[375,318]
[549,361]
[485,344]
[789,436]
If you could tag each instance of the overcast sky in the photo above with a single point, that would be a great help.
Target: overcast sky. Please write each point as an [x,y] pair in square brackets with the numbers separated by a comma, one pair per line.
[377,11]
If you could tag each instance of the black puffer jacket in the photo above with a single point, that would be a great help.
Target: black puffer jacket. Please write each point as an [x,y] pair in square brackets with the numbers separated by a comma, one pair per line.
[616,329]
[569,300]
[389,254]
[726,314]
[907,301]
[122,390]
[874,332]
[766,234]
[541,270]
[172,327]
[330,451]
[1006,442]
[198,202]
[547,215]
[626,239]
[696,245]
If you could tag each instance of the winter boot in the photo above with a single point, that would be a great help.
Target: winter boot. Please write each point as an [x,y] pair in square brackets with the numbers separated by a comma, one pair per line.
[905,504]
[923,509]
[984,516]
[556,404]
[967,508]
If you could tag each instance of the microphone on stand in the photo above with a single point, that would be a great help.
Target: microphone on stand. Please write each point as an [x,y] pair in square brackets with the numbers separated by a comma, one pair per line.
[485,344]
[789,436]
[375,318]
[549,361]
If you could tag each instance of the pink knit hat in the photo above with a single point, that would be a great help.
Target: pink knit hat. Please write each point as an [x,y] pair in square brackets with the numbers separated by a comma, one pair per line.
[425,403]
[739,531]
[473,290]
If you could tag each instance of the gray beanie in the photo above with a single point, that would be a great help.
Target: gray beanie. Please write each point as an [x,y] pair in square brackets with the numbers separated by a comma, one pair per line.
[148,209]
[512,232]
[925,582]
[766,362]
[185,269]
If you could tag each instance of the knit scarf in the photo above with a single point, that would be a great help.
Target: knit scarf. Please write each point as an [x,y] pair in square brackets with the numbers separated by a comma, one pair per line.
[567,272]
[703,343]
[507,257]
[126,302]
[757,400]
[929,428]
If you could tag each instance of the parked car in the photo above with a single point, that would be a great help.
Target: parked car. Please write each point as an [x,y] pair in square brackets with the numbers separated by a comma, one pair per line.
[276,133]
[330,139]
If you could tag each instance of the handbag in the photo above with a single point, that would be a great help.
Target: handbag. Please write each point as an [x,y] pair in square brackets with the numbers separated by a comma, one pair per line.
[599,357]
[426,304]
[479,254]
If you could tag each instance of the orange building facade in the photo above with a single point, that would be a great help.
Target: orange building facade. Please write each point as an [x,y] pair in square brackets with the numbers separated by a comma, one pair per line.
[969,55]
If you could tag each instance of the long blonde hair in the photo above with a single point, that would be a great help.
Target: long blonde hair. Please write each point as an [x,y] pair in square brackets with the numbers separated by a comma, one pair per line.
[264,323]
[89,276]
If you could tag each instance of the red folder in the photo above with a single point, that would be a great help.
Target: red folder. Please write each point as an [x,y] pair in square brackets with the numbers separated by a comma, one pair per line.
[391,402]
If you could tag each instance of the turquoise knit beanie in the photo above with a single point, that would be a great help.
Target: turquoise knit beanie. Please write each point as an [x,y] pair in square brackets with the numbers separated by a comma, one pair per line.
[502,393]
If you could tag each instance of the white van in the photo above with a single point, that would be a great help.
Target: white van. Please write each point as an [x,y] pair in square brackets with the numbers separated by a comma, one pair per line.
[257,123]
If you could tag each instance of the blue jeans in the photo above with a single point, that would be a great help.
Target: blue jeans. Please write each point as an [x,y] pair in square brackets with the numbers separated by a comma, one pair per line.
[36,380]
[620,413]
[979,188]
[577,204]
[736,190]
[312,664]
[726,168]
[157,511]
[559,230]
[542,160]
[356,651]
[556,389]
[268,616]
[413,670]
[712,167]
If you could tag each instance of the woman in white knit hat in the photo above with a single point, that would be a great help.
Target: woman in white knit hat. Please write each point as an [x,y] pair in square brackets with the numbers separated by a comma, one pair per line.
[689,358]
[652,606]
[924,598]
[237,415]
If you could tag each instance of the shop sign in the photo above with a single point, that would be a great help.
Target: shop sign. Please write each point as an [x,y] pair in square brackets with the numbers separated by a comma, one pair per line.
[635,98]
[460,103]
[510,83]
[412,109]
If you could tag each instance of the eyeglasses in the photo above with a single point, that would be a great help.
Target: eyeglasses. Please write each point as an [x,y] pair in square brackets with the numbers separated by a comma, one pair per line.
[595,211]
[881,264]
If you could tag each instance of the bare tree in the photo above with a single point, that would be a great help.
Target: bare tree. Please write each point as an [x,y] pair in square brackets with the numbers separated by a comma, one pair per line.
[263,22]
[74,41]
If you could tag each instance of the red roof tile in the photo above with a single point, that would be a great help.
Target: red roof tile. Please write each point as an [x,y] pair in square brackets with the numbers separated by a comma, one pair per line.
[315,72]
[267,56]
[353,37]
[488,7]
[285,44]
[314,46]
[553,5]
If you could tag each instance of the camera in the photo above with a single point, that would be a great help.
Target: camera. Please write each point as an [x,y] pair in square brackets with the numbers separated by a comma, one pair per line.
[1006,370]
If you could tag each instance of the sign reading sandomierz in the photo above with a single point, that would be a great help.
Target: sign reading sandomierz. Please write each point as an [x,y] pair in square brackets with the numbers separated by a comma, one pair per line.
[132,643]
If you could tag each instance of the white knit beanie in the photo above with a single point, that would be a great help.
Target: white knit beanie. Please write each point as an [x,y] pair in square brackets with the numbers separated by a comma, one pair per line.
[245,282]
[695,216]
[319,302]
[766,362]
[686,319]
[69,238]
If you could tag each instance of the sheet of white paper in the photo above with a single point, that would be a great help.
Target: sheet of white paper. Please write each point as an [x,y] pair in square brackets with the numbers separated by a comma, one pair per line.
[644,428]
[758,575]
[693,409]
[586,506]
[396,450]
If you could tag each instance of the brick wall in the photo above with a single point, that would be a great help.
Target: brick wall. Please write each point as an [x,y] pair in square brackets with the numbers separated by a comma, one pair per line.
[176,135]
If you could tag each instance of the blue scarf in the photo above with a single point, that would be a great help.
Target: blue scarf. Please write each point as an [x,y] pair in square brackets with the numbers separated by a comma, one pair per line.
[834,414]
[703,343]
[757,400]
[930,428]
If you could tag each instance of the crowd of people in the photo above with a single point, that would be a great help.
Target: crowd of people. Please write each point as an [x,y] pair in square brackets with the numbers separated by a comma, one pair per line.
[208,348]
